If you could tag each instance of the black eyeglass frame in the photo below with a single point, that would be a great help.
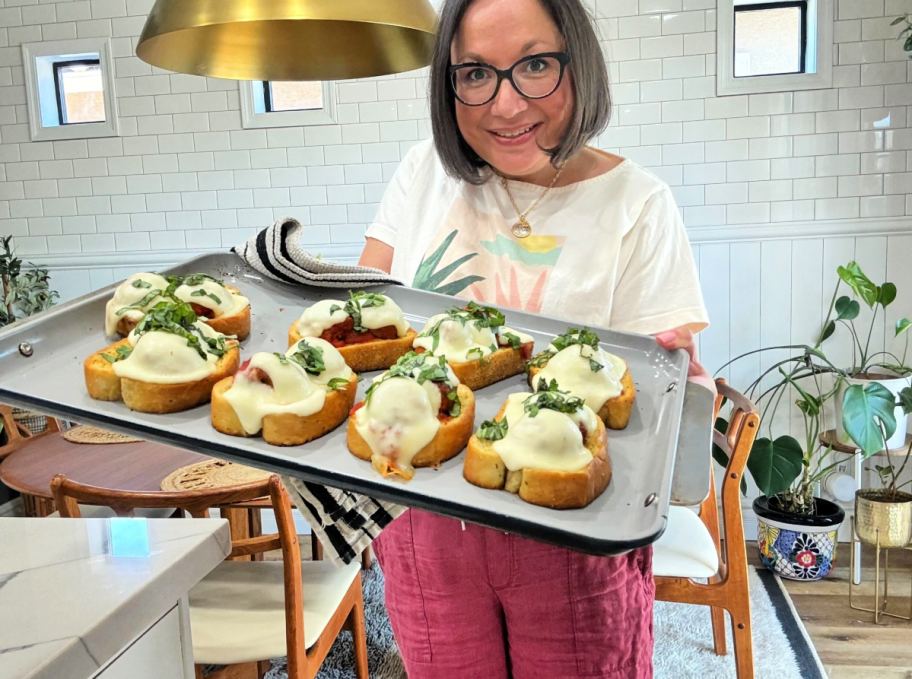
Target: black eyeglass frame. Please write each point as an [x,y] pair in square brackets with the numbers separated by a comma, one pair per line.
[563,58]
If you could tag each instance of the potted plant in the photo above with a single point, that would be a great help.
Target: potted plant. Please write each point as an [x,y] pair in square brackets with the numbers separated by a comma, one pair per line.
[883,515]
[24,292]
[868,367]
[797,531]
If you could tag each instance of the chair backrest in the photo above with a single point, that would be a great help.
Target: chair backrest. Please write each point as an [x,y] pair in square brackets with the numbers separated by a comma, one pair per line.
[197,503]
[737,442]
[18,434]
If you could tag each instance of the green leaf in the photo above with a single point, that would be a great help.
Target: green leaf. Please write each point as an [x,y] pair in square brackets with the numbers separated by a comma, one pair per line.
[867,416]
[887,294]
[847,309]
[897,20]
[458,286]
[440,276]
[854,277]
[905,400]
[493,430]
[902,325]
[426,268]
[774,465]
[828,331]
[337,383]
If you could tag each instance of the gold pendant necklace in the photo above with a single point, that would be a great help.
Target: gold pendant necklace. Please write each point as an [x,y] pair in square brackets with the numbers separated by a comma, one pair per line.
[522,228]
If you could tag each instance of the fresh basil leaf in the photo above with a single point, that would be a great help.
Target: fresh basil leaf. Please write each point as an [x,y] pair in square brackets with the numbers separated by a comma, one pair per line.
[144,302]
[337,383]
[309,357]
[109,358]
[512,339]
[140,283]
[493,430]
[594,365]
[203,293]
[334,308]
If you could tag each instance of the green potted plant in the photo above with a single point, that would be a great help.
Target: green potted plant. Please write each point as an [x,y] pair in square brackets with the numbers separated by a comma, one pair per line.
[796,530]
[868,367]
[25,292]
[883,515]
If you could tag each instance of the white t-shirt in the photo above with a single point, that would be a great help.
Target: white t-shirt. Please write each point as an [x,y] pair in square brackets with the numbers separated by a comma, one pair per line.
[608,251]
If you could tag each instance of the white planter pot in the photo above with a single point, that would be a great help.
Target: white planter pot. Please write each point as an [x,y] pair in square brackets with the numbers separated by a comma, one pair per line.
[895,385]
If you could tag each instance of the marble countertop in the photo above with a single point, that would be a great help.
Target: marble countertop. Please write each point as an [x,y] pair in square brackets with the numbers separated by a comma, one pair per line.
[70,598]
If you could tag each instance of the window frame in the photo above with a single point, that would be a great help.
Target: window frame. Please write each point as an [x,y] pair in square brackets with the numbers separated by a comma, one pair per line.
[818,17]
[35,91]
[801,5]
[61,108]
[251,119]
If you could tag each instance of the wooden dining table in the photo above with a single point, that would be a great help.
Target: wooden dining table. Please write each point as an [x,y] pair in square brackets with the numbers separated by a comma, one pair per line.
[140,466]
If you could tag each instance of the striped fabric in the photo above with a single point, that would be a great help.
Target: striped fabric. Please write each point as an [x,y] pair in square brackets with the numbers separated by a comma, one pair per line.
[345,523]
[276,252]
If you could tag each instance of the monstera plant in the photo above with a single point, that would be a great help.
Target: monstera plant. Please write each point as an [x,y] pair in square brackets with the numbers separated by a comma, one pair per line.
[868,397]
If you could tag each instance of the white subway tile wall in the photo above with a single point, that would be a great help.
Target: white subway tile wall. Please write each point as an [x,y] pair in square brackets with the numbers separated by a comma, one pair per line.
[185,175]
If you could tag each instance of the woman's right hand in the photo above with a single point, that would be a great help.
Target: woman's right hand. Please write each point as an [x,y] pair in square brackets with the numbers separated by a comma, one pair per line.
[377,254]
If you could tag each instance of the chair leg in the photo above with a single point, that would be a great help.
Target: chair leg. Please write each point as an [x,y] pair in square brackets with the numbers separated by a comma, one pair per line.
[359,634]
[366,559]
[263,667]
[744,645]
[198,671]
[316,548]
[718,627]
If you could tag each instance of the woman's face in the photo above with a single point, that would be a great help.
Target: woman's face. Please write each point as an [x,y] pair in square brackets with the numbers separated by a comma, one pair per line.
[509,131]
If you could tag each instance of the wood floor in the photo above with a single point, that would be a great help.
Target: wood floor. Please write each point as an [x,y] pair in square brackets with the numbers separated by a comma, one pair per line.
[848,642]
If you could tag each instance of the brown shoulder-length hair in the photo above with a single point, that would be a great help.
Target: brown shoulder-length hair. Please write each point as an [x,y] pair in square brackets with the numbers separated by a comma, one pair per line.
[592,100]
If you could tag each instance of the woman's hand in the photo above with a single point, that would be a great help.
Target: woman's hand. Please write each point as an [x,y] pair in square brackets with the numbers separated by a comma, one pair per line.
[683,338]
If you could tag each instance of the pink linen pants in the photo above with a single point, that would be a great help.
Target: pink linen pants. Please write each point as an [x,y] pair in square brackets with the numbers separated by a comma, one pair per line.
[476,603]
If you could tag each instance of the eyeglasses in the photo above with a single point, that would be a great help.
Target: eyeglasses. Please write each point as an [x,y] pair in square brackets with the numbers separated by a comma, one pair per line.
[535,77]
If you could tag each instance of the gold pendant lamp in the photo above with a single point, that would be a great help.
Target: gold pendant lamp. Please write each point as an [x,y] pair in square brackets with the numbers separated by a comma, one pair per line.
[288,39]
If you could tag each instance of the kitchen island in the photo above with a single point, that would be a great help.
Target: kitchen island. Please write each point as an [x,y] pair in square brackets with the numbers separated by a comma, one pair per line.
[106,598]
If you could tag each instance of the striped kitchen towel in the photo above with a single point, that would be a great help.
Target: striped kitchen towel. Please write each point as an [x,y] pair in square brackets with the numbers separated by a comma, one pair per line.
[276,251]
[344,522]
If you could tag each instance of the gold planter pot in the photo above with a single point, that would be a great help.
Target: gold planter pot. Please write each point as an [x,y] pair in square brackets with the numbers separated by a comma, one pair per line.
[883,521]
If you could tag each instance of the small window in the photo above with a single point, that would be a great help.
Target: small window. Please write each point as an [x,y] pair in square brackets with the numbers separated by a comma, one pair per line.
[70,89]
[80,93]
[287,103]
[770,38]
[292,96]
[770,46]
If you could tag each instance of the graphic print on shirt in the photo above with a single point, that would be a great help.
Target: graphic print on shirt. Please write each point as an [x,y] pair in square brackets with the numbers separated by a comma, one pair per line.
[474,256]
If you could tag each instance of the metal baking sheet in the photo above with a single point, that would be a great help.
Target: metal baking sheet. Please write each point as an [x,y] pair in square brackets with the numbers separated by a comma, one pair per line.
[629,514]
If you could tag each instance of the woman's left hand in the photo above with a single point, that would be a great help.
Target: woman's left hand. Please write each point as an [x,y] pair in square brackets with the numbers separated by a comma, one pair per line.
[683,338]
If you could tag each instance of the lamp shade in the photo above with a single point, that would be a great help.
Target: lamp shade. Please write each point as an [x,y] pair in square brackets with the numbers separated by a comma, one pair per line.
[288,39]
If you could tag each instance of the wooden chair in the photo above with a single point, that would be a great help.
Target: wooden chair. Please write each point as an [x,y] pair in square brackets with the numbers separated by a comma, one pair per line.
[246,612]
[690,546]
[18,434]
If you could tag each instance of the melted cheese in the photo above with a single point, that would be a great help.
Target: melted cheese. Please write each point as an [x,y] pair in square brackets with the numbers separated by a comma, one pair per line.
[332,360]
[291,392]
[228,303]
[399,420]
[161,357]
[523,337]
[318,318]
[550,440]
[457,340]
[126,294]
[570,367]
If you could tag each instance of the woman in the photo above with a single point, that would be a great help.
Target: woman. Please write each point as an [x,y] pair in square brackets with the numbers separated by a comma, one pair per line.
[509,206]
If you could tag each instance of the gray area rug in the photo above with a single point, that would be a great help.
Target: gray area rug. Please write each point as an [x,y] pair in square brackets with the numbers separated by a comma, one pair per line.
[683,646]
